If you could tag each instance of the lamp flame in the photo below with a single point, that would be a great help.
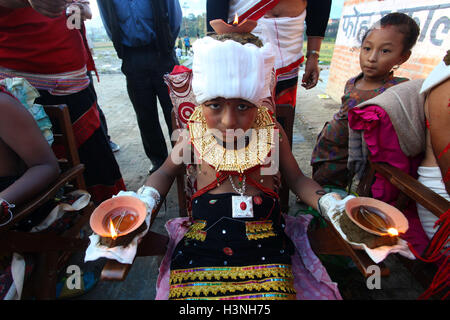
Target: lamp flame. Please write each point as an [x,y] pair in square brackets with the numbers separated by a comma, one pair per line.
[236,20]
[392,232]
[112,230]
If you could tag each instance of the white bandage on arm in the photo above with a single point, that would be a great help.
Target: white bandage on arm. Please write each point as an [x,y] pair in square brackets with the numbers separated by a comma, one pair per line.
[327,202]
[150,194]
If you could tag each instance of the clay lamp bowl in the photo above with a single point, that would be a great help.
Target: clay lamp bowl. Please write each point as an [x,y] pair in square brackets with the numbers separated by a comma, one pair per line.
[376,217]
[221,27]
[118,217]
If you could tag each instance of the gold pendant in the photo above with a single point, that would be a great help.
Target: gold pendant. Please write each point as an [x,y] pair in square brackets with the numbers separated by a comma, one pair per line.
[223,159]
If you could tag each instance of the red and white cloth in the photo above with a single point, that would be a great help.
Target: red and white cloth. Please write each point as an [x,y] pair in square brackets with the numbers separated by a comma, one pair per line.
[42,50]
[285,34]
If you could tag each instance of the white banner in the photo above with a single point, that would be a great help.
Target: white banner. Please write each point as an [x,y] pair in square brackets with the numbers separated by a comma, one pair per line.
[431,16]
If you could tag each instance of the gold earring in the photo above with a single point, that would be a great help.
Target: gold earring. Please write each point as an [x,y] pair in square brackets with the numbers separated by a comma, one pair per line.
[396,67]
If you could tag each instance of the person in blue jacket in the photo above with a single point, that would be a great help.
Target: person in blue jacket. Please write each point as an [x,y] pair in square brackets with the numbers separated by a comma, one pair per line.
[144,33]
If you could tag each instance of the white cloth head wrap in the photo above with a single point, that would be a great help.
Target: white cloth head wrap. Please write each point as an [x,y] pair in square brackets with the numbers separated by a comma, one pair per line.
[439,74]
[229,69]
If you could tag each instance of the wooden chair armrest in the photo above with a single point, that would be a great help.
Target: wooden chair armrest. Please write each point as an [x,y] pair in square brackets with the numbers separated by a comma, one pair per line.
[115,271]
[16,241]
[151,244]
[329,241]
[24,210]
[413,188]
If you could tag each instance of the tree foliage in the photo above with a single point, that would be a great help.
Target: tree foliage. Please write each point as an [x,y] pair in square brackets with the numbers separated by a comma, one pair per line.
[193,26]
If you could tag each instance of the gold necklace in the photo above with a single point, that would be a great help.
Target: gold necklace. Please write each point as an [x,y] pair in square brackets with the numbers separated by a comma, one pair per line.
[223,159]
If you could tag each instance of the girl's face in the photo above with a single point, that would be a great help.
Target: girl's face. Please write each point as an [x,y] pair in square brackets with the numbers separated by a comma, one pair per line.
[226,116]
[381,50]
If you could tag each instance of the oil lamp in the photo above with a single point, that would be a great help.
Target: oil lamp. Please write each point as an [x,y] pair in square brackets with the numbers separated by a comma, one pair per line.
[118,220]
[221,27]
[376,217]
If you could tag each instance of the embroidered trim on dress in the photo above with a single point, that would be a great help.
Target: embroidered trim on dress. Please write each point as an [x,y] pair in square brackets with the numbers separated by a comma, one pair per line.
[196,230]
[219,273]
[258,296]
[259,229]
[205,288]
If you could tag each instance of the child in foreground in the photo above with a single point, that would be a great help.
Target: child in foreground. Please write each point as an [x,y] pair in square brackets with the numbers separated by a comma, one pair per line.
[384,48]
[236,244]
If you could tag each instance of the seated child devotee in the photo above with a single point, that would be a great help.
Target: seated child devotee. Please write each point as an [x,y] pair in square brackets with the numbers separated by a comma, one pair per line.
[385,46]
[28,165]
[237,245]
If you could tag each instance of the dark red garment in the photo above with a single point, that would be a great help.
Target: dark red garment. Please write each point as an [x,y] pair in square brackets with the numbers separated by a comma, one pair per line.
[31,42]
[258,10]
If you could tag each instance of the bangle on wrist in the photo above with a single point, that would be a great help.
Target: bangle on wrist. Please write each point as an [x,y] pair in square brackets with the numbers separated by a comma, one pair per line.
[151,192]
[312,52]
[6,214]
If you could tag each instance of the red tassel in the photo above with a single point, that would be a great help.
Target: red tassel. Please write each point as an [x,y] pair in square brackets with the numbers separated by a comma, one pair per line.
[444,151]
[439,283]
[433,254]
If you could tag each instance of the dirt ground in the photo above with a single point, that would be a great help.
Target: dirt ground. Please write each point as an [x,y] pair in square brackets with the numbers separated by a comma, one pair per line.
[311,114]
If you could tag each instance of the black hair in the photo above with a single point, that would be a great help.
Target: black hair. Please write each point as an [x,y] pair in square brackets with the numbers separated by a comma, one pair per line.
[405,25]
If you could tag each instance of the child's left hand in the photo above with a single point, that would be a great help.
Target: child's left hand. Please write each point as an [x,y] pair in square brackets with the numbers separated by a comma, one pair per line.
[332,202]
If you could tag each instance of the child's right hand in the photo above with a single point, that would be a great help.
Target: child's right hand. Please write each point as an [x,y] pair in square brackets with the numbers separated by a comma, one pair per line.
[150,196]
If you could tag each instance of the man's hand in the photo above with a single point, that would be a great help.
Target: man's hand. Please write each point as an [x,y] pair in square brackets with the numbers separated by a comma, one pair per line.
[311,75]
[49,8]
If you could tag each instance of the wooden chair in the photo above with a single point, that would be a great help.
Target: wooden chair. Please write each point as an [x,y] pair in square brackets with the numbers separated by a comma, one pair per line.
[285,116]
[50,249]
[410,189]
[327,240]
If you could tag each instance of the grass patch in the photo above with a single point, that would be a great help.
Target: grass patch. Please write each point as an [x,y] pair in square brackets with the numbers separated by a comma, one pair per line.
[326,51]
[103,44]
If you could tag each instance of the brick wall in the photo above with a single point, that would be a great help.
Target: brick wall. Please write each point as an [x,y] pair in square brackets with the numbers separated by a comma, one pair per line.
[359,15]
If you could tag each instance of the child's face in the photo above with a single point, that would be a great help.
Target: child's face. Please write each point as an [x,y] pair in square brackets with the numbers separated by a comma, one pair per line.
[381,50]
[228,115]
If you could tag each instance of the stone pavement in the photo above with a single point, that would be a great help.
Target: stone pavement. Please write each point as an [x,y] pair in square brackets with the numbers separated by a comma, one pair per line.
[311,114]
